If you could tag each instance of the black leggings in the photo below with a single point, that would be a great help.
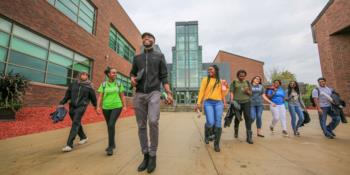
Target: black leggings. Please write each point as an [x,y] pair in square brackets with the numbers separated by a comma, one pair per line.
[245,109]
[111,116]
[76,114]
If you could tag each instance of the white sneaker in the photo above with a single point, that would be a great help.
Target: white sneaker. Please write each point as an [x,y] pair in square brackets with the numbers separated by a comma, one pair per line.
[81,142]
[67,149]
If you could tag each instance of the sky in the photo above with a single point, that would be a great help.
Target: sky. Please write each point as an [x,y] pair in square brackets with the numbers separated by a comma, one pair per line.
[277,32]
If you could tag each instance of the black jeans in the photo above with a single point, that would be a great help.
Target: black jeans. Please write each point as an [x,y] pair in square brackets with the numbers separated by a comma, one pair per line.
[111,116]
[76,114]
[245,109]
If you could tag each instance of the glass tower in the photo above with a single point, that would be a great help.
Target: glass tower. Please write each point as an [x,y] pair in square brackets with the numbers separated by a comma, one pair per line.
[187,63]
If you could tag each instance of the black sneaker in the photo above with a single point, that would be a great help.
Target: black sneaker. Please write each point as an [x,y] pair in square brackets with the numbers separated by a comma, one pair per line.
[109,151]
[330,136]
[113,147]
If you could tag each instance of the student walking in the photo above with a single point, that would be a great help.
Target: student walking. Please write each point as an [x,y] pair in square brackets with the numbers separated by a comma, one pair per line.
[322,98]
[276,97]
[256,103]
[79,93]
[148,72]
[212,94]
[296,106]
[112,101]
[240,91]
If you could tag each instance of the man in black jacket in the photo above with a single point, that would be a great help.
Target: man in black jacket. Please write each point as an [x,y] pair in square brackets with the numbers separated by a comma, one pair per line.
[80,93]
[148,72]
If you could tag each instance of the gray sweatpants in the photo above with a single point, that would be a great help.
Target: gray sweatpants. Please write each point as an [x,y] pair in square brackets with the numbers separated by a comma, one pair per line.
[147,107]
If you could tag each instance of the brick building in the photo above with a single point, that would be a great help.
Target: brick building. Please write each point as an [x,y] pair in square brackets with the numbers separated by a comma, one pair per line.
[331,32]
[50,41]
[237,62]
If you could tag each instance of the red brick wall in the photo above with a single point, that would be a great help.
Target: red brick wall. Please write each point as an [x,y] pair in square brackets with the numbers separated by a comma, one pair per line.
[42,17]
[253,67]
[334,49]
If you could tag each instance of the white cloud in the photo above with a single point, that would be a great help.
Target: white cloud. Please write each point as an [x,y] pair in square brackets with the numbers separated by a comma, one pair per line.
[277,32]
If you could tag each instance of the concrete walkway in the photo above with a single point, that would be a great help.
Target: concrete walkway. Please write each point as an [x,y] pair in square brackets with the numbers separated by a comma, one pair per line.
[181,151]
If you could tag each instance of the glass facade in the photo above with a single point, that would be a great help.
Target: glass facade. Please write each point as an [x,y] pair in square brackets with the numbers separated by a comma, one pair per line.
[37,58]
[187,62]
[125,81]
[120,45]
[80,11]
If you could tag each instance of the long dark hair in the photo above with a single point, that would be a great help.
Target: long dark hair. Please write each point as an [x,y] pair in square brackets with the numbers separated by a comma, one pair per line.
[296,88]
[217,76]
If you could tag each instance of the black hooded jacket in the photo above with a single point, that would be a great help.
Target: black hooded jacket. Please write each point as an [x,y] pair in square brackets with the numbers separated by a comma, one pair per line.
[79,95]
[155,71]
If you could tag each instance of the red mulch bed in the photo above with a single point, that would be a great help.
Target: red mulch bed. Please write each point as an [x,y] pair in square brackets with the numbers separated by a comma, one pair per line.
[31,120]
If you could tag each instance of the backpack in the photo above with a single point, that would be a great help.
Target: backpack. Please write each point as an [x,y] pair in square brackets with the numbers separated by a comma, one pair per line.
[104,86]
[234,84]
[59,114]
[312,99]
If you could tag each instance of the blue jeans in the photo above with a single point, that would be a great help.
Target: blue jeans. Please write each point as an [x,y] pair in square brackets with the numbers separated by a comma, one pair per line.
[327,129]
[256,113]
[296,110]
[213,112]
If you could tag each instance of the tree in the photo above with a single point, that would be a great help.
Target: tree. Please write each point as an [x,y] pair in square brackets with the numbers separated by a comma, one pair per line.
[279,74]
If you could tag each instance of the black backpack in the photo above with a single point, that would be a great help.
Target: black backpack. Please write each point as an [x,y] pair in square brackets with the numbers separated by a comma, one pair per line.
[58,115]
[312,99]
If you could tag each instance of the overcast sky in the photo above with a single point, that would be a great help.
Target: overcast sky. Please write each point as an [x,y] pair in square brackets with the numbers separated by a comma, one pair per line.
[276,32]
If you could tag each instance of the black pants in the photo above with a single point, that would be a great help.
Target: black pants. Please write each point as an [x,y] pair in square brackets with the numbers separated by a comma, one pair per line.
[111,116]
[76,114]
[245,109]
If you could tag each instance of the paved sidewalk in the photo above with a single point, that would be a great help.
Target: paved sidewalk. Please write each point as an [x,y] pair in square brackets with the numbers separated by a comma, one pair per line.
[181,151]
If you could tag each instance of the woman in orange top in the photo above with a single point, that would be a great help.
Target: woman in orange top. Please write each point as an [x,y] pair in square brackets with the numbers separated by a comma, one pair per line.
[212,92]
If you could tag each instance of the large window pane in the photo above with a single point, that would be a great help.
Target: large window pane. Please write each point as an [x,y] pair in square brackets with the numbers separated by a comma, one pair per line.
[66,10]
[86,18]
[76,2]
[58,70]
[80,67]
[28,48]
[82,60]
[26,60]
[5,25]
[57,80]
[61,60]
[85,25]
[27,73]
[3,53]
[4,39]
[86,6]
[63,51]
[70,5]
[23,33]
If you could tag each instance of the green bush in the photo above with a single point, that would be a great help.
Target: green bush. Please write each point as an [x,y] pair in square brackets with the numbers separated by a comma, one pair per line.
[12,90]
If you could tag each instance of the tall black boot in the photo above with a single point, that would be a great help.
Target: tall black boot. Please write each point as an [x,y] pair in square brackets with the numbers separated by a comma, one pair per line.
[250,137]
[217,132]
[144,164]
[151,164]
[211,134]
[236,132]
[206,134]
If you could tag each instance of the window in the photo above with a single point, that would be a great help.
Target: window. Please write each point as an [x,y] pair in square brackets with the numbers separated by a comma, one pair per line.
[37,58]
[126,82]
[119,44]
[80,11]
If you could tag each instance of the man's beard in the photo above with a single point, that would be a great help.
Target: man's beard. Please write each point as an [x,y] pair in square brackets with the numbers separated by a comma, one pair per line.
[148,46]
